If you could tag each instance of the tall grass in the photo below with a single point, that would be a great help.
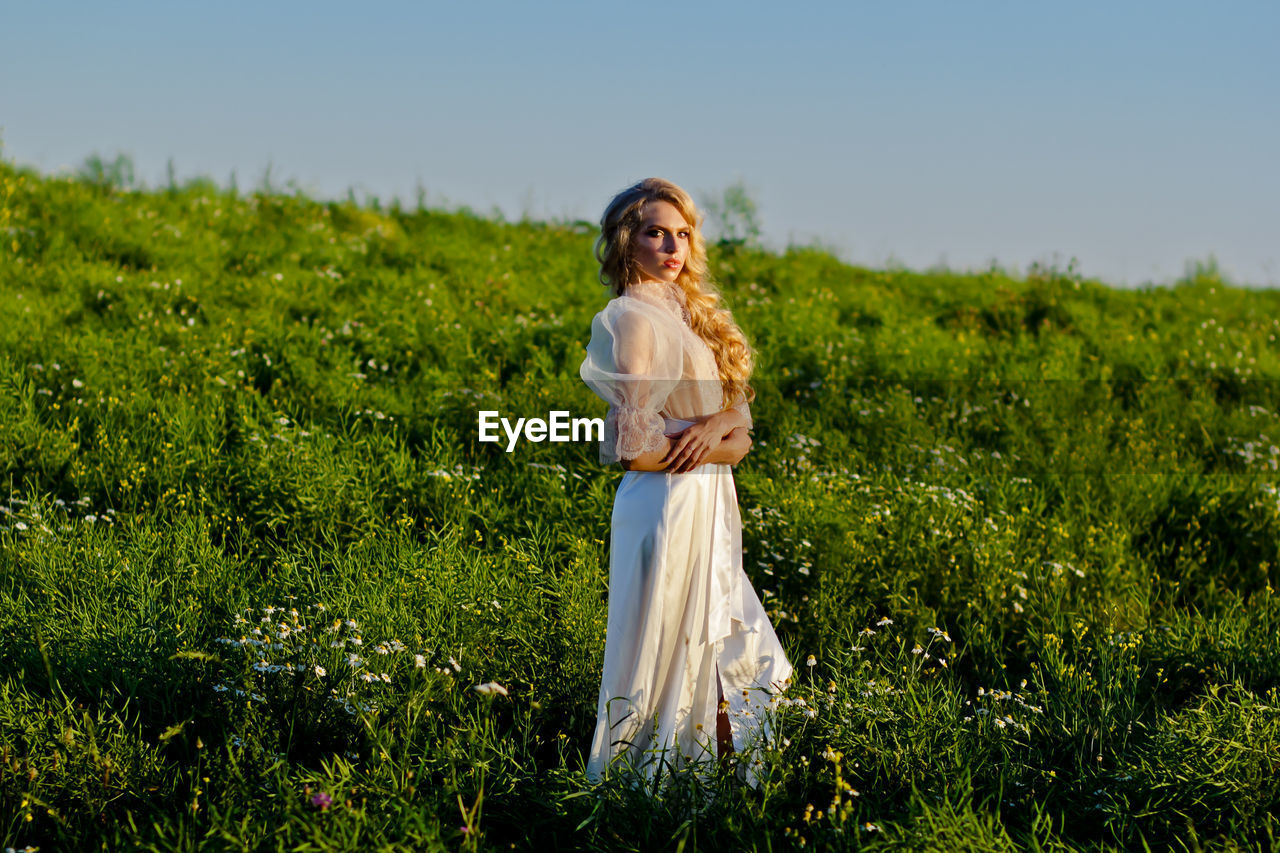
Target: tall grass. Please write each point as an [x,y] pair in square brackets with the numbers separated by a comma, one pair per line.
[1027,529]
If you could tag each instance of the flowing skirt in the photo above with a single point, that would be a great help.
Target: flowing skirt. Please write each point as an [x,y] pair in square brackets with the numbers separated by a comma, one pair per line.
[682,615]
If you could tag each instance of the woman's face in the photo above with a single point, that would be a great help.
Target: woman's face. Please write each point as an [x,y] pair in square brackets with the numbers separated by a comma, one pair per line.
[661,246]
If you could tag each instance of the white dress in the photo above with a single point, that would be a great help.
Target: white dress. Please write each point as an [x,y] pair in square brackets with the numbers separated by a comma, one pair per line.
[681,609]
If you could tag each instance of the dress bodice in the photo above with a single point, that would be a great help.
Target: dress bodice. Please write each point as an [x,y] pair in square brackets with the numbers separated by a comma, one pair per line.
[645,360]
[699,392]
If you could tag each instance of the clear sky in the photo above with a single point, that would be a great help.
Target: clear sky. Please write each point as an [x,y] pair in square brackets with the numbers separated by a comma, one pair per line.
[1130,136]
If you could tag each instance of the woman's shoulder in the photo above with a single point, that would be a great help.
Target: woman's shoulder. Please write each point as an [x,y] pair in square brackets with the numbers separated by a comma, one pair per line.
[625,317]
[627,304]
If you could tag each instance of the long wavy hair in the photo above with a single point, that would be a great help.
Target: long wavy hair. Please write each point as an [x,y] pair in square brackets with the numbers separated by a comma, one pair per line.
[711,321]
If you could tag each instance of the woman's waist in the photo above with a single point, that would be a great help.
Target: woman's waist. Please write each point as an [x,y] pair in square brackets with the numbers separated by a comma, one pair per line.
[663,481]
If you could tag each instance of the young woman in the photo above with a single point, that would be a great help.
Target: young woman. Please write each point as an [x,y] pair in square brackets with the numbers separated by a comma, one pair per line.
[690,656]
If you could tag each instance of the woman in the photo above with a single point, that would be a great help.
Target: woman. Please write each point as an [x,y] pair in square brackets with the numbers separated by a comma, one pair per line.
[690,655]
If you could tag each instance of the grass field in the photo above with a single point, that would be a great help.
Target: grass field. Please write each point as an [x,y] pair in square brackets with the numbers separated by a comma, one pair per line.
[254,562]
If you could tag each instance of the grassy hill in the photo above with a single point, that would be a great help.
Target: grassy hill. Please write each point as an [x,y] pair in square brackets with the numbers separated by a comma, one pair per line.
[1027,528]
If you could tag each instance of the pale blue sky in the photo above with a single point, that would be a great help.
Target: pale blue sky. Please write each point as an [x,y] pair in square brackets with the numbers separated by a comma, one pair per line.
[1131,136]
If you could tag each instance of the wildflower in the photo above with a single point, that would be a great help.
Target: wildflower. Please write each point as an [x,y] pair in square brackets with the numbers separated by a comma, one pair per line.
[457,667]
[385,677]
[419,661]
[489,688]
[885,621]
[811,661]
[321,801]
[320,671]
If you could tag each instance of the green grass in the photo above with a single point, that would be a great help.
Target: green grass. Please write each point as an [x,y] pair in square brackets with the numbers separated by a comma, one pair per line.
[1063,495]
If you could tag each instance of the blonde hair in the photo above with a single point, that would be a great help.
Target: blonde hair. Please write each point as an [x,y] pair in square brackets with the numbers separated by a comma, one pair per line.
[714,324]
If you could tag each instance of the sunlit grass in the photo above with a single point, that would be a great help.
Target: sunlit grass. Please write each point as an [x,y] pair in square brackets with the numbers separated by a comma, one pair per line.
[1026,530]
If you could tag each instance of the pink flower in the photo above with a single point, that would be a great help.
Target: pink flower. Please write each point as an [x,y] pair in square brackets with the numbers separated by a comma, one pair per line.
[322,801]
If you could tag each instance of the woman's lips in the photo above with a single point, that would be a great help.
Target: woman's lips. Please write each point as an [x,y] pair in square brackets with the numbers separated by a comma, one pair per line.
[675,265]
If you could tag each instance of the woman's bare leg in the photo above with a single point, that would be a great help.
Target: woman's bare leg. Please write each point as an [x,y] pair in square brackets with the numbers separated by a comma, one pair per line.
[724,734]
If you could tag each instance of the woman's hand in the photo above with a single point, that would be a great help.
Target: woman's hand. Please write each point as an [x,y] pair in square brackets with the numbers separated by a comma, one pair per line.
[730,450]
[702,443]
[692,445]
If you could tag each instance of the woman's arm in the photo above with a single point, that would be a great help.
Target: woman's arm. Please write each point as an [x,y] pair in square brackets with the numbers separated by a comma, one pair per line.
[693,445]
[650,461]
[729,420]
[730,450]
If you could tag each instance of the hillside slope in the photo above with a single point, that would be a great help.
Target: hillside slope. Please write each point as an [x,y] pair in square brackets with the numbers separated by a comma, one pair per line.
[1062,495]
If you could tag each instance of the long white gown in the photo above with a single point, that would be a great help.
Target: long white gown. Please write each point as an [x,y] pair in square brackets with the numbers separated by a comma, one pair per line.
[681,610]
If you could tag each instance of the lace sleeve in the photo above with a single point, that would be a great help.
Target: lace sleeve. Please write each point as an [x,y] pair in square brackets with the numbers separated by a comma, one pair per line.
[634,362]
[630,431]
[745,408]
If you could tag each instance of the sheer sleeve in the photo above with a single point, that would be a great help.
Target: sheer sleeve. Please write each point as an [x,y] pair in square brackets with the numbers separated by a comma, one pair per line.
[745,408]
[634,361]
